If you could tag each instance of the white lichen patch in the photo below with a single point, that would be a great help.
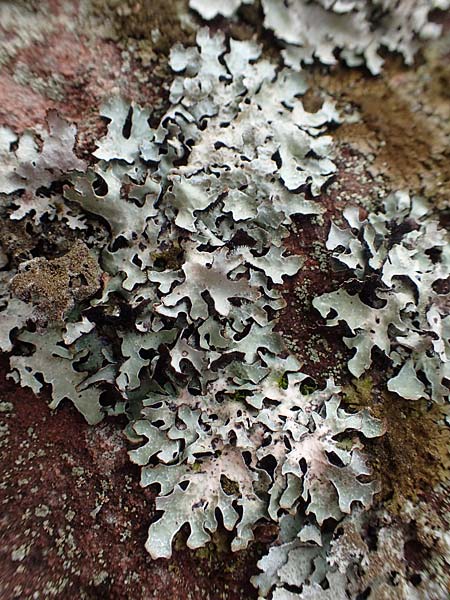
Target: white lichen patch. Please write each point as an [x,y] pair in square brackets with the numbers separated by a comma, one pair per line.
[348,563]
[20,553]
[31,164]
[215,451]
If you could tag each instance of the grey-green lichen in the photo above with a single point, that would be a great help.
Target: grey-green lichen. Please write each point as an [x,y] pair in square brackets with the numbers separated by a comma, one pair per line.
[315,29]
[197,360]
[400,258]
[367,555]
[197,209]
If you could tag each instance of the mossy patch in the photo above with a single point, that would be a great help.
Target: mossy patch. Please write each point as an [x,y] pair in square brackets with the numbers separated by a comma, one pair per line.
[400,141]
[412,457]
[403,127]
[360,394]
[170,258]
[414,454]
[55,285]
[15,240]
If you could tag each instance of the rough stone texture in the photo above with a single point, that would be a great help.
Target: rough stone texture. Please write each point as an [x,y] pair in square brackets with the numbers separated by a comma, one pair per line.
[68,55]
[74,519]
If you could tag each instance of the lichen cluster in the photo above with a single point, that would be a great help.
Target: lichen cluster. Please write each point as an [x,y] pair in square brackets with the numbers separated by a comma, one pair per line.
[315,29]
[164,310]
[401,260]
[368,554]
[197,211]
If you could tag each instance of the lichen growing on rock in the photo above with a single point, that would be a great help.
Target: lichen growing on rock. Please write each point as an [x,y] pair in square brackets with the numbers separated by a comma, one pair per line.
[198,362]
[166,314]
[369,554]
[358,28]
[401,258]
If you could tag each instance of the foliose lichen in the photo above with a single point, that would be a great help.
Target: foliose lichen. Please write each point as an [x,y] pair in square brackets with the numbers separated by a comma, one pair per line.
[367,554]
[401,261]
[196,358]
[315,29]
[175,304]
